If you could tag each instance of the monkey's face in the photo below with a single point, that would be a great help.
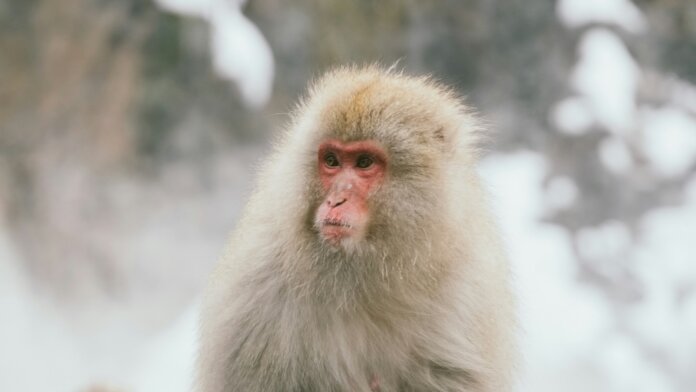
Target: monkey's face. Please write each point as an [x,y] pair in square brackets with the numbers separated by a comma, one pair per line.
[349,173]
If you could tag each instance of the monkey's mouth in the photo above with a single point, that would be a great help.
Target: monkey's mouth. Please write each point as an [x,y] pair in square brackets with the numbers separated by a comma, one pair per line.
[334,231]
[336,223]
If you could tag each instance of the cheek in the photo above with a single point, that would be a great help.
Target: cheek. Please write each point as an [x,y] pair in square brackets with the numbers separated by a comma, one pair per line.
[326,181]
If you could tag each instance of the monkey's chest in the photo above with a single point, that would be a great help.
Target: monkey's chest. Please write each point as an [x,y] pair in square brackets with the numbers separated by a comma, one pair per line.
[351,353]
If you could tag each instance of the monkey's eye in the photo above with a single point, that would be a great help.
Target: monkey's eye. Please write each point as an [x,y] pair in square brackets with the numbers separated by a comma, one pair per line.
[364,161]
[331,160]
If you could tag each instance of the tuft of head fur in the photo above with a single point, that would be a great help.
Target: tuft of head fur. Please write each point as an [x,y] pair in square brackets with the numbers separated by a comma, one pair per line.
[406,113]
[421,302]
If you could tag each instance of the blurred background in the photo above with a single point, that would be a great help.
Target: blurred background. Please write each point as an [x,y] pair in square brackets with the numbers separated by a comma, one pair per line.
[130,130]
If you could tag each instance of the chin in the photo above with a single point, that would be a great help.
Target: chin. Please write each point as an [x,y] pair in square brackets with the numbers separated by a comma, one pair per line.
[341,238]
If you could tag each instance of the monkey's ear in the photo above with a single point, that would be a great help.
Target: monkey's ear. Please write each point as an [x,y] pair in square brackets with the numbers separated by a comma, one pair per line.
[443,139]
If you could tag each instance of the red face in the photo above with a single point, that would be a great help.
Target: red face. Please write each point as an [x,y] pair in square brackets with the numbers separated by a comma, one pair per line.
[350,173]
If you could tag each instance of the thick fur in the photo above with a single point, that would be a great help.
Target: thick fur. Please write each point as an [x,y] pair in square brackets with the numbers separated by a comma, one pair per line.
[421,304]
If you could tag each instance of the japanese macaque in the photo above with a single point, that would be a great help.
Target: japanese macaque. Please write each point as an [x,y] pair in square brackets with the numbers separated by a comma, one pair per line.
[366,259]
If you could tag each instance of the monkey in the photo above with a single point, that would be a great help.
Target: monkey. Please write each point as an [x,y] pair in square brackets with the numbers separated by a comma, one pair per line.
[366,258]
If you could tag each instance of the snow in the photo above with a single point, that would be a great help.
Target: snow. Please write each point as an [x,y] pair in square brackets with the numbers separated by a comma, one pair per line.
[668,235]
[610,240]
[669,140]
[561,319]
[38,338]
[644,344]
[31,335]
[627,367]
[615,155]
[168,360]
[561,193]
[240,52]
[622,13]
[572,335]
[607,76]
[572,116]
[197,8]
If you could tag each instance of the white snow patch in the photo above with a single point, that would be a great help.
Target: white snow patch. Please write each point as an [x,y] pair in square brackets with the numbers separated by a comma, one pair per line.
[669,140]
[37,352]
[668,235]
[561,193]
[622,13]
[615,155]
[240,52]
[628,369]
[665,263]
[609,241]
[607,76]
[168,360]
[197,8]
[572,116]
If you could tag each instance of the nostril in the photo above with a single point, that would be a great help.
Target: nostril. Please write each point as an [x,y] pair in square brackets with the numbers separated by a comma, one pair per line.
[333,204]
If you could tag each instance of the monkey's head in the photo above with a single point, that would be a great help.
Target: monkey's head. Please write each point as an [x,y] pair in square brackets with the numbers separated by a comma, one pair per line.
[383,150]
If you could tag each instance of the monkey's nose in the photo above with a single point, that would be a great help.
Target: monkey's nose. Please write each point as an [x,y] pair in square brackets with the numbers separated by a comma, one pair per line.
[336,202]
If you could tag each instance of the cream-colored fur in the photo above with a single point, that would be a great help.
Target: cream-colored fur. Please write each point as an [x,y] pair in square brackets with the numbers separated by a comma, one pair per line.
[421,304]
